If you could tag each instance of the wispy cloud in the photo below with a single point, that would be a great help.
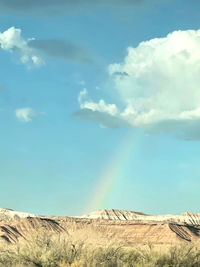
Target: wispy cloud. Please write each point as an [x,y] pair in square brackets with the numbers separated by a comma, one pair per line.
[107,115]
[52,7]
[32,52]
[26,114]
[82,95]
[12,41]
[104,119]
[61,49]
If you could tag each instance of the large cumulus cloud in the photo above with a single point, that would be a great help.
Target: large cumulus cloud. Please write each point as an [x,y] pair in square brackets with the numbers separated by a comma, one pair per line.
[161,88]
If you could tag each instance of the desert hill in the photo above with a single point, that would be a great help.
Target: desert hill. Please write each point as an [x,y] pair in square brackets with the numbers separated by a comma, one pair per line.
[122,215]
[113,214]
[122,226]
[7,215]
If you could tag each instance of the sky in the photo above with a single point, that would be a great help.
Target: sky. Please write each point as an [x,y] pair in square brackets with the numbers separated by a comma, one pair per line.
[99,106]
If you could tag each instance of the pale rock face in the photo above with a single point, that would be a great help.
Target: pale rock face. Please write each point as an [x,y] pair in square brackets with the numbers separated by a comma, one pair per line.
[114,215]
[187,217]
[9,215]
[117,215]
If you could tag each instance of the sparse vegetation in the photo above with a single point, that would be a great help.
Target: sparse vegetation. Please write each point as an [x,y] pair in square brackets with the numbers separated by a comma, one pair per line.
[44,250]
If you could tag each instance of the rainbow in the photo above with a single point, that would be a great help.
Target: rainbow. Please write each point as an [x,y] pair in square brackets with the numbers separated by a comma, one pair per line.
[112,176]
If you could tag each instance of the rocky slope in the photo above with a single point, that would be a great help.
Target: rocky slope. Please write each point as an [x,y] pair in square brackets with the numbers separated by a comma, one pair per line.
[113,214]
[8,215]
[126,227]
[20,229]
[187,217]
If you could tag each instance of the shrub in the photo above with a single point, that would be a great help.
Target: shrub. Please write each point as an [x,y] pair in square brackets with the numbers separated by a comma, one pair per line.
[46,250]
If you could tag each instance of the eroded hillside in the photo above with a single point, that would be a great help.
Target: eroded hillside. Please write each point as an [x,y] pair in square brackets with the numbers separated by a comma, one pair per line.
[122,226]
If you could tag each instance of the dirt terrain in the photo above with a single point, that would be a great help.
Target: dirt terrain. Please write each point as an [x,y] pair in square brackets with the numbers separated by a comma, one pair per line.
[124,227]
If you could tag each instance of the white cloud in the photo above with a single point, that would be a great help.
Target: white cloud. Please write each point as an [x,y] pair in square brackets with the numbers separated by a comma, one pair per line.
[158,84]
[31,51]
[162,81]
[26,114]
[12,41]
[107,115]
[82,95]
[101,106]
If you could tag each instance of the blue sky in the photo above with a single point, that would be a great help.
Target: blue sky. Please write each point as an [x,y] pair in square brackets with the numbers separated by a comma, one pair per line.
[82,83]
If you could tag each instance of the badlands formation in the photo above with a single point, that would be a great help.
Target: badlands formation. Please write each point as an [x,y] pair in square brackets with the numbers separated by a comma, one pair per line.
[124,227]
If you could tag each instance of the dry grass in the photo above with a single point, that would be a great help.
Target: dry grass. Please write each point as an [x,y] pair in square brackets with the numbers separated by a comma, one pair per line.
[45,250]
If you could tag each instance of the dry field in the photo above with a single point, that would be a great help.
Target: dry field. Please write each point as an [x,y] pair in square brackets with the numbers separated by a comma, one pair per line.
[45,249]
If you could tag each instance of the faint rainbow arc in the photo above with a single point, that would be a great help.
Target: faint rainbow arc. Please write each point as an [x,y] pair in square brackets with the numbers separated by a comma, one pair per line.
[112,175]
